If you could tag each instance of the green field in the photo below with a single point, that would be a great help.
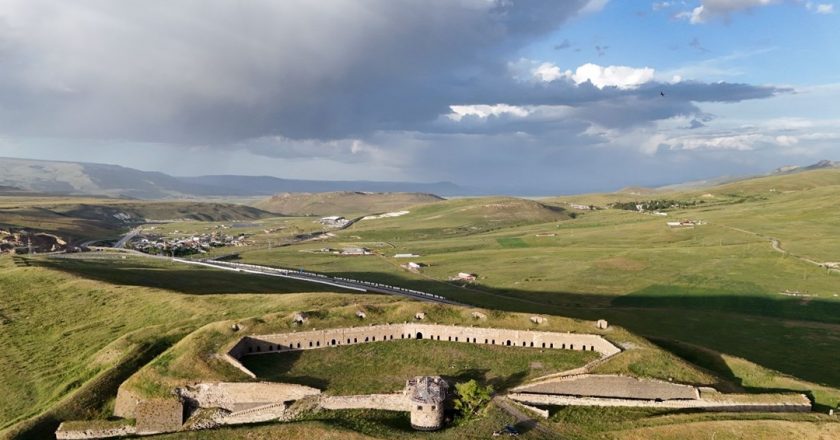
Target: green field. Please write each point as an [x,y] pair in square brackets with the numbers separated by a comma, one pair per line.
[347,370]
[719,285]
[70,321]
[752,317]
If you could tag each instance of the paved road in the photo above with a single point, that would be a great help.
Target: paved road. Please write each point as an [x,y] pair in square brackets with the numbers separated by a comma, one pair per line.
[127,237]
[313,277]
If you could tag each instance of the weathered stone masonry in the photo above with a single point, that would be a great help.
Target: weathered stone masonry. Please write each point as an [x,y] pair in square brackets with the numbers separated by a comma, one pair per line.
[314,339]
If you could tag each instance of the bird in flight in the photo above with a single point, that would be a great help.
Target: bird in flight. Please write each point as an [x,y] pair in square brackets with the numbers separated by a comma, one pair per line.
[661,93]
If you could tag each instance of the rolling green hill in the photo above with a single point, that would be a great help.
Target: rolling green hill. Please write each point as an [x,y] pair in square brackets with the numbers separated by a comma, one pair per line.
[741,295]
[83,218]
[342,203]
[747,282]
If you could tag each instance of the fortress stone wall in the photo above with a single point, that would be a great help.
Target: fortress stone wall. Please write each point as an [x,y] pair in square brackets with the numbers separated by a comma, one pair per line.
[159,415]
[793,403]
[314,339]
[388,402]
[235,396]
[63,433]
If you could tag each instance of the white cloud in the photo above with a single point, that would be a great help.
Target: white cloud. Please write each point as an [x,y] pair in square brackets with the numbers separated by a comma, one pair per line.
[717,68]
[786,140]
[722,9]
[740,142]
[594,6]
[547,72]
[825,9]
[623,77]
[661,5]
[484,111]
[710,9]
[820,8]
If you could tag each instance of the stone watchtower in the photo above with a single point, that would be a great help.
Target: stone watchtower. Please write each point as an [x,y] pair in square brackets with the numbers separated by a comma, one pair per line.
[426,395]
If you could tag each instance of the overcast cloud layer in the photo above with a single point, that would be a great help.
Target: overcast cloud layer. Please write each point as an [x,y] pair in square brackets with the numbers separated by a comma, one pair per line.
[376,89]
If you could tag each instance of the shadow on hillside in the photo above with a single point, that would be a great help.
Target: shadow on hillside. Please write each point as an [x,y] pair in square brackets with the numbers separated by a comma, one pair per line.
[748,326]
[275,367]
[179,278]
[714,362]
[499,384]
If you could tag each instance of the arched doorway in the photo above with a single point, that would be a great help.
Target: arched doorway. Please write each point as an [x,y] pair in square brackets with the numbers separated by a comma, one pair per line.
[419,335]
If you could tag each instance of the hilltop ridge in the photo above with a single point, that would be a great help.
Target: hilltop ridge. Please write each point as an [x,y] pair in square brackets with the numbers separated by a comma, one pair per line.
[96,179]
[343,202]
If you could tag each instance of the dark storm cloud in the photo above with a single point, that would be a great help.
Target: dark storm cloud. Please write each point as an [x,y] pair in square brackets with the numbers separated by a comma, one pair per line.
[219,72]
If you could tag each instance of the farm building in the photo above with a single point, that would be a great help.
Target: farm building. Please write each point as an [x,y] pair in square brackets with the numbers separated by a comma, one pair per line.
[464,276]
[334,221]
[355,251]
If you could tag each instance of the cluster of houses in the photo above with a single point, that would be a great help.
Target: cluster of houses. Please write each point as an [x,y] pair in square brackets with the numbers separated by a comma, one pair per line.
[196,244]
[23,242]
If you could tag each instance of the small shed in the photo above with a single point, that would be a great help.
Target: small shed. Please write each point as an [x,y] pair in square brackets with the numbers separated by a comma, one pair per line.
[536,319]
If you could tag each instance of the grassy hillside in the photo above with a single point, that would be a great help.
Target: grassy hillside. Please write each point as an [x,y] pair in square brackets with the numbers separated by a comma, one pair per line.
[342,203]
[344,370]
[721,285]
[83,218]
[59,330]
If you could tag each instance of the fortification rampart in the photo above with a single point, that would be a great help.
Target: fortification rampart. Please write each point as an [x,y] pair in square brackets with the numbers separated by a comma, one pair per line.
[611,386]
[65,433]
[314,339]
[389,402]
[235,396]
[794,403]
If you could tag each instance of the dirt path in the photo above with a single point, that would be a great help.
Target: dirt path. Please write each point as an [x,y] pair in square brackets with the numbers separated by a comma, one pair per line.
[777,246]
[523,420]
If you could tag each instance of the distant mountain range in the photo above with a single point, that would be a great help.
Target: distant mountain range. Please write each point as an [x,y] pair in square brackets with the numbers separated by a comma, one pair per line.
[80,178]
[790,169]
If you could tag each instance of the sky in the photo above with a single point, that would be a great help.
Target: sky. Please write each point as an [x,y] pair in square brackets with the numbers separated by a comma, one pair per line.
[536,97]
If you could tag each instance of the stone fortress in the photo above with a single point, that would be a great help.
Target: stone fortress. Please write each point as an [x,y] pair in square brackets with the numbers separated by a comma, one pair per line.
[426,395]
[207,405]
[314,339]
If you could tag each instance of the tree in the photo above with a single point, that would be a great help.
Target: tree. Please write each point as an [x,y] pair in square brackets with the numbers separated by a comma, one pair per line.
[471,398]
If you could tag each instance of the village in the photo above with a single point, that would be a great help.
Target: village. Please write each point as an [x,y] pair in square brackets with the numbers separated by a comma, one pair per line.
[181,246]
